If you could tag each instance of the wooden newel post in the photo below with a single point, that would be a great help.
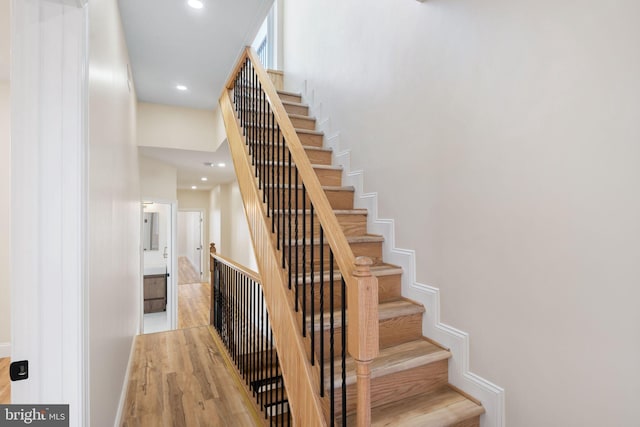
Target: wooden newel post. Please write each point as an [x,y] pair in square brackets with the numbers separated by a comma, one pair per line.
[212,250]
[363,333]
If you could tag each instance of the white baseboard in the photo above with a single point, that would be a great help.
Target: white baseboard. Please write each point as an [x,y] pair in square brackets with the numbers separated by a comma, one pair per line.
[125,385]
[491,395]
[5,349]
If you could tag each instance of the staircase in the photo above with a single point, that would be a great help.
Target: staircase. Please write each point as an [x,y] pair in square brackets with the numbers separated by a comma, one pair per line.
[408,380]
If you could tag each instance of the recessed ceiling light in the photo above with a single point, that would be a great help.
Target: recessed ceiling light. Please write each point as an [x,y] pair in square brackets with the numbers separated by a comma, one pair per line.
[193,187]
[196,4]
[181,87]
[203,179]
[221,165]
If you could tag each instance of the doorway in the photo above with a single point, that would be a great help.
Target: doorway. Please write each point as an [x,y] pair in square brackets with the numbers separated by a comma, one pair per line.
[193,289]
[190,246]
[158,267]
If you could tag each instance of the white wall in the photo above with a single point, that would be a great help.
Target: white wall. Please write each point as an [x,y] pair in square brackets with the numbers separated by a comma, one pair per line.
[228,225]
[5,180]
[158,180]
[218,126]
[177,127]
[503,138]
[5,218]
[114,213]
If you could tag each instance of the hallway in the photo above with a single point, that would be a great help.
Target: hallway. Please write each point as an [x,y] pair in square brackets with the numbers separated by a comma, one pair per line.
[182,379]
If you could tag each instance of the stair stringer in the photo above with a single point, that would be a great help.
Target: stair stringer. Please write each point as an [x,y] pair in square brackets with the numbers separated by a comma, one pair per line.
[491,395]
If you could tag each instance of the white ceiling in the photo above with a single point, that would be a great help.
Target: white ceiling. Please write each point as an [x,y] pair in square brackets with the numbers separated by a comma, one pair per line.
[191,166]
[171,43]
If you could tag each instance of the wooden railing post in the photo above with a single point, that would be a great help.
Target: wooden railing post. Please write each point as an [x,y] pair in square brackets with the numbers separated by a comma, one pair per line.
[212,278]
[363,333]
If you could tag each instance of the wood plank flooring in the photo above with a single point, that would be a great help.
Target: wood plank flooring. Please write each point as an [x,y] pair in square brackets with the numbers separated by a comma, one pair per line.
[180,379]
[187,272]
[193,304]
[5,382]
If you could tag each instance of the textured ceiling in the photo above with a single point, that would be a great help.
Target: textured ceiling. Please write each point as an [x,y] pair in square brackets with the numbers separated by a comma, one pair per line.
[171,43]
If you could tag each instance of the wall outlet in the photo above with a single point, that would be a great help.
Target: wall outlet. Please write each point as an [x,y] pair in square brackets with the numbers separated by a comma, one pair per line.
[19,370]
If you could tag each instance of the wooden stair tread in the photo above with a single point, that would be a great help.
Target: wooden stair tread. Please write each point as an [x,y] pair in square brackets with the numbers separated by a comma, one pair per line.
[301,116]
[378,270]
[336,211]
[310,131]
[306,147]
[298,130]
[395,359]
[386,310]
[365,238]
[440,408]
[286,92]
[315,166]
[324,187]
[297,104]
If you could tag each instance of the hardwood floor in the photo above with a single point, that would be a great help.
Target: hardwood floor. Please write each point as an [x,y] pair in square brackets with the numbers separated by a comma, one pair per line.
[181,379]
[187,272]
[5,383]
[193,304]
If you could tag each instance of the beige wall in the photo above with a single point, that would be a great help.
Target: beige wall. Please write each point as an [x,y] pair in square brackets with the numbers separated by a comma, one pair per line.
[5,217]
[198,200]
[114,213]
[158,180]
[503,138]
[228,225]
[177,127]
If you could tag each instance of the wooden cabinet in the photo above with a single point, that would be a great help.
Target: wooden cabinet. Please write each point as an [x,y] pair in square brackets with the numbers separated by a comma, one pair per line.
[155,293]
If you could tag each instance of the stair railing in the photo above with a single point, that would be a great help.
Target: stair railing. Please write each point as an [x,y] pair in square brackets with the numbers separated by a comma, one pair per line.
[302,255]
[241,321]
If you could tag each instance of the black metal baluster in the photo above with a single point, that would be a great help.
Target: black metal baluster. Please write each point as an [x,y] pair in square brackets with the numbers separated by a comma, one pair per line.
[260,345]
[304,260]
[268,376]
[278,191]
[265,131]
[272,156]
[240,315]
[313,291]
[279,390]
[321,352]
[280,172]
[290,232]
[343,312]
[331,338]
[254,345]
[245,336]
[297,210]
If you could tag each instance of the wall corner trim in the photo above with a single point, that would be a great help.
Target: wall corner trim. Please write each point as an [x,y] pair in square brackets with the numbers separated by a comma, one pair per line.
[491,395]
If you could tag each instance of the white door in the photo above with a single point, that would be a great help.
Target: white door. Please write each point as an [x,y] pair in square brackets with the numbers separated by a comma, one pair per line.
[190,238]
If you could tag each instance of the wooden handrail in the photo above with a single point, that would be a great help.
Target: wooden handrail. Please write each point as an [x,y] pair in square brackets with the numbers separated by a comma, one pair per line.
[241,268]
[362,287]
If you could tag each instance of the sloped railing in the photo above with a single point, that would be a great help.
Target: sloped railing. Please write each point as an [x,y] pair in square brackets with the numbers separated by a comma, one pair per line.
[239,316]
[309,273]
